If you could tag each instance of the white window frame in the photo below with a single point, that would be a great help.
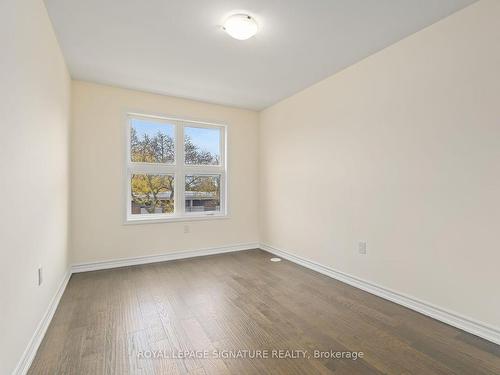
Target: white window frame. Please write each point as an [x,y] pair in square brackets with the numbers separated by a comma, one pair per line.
[178,169]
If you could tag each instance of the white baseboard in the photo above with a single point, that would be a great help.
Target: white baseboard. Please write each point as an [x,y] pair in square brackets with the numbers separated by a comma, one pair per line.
[102,265]
[30,351]
[464,323]
[451,318]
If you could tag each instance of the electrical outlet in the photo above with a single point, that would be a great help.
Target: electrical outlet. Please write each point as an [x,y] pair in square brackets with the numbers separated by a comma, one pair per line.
[187,229]
[40,275]
[362,247]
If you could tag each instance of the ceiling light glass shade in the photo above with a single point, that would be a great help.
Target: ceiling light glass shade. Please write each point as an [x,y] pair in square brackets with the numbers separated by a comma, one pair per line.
[240,26]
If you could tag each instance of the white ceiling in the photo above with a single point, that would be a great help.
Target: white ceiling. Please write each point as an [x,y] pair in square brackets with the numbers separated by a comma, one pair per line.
[176,47]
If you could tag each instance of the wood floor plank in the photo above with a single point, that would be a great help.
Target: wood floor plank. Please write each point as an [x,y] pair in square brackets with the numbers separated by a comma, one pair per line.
[138,320]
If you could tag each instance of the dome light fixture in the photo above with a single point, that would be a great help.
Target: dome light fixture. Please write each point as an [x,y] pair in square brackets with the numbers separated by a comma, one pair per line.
[240,26]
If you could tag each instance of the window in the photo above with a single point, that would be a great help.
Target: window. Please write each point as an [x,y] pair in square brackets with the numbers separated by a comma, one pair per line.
[176,169]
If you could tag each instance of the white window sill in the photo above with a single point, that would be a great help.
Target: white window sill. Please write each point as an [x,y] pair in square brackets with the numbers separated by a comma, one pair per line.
[173,219]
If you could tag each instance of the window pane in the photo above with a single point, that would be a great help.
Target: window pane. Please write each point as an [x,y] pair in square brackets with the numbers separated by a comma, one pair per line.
[152,194]
[202,146]
[202,193]
[151,142]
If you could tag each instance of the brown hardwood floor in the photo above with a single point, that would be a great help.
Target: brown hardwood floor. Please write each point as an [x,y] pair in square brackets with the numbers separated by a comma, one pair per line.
[111,321]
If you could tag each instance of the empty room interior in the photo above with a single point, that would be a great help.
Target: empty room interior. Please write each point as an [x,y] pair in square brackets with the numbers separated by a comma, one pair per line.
[249,187]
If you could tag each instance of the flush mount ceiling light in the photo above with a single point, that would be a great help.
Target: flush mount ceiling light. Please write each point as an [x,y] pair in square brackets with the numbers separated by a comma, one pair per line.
[240,26]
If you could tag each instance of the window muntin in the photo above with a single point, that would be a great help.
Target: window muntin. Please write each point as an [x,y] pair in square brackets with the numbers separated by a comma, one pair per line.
[176,169]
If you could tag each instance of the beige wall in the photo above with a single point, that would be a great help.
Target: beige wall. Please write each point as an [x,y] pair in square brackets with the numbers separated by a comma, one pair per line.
[98,157]
[34,108]
[401,150]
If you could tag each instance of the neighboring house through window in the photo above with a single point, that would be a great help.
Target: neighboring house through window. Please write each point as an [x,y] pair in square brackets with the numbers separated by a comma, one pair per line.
[176,169]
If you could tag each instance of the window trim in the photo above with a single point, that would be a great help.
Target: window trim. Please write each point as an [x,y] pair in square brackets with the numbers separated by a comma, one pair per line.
[179,170]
